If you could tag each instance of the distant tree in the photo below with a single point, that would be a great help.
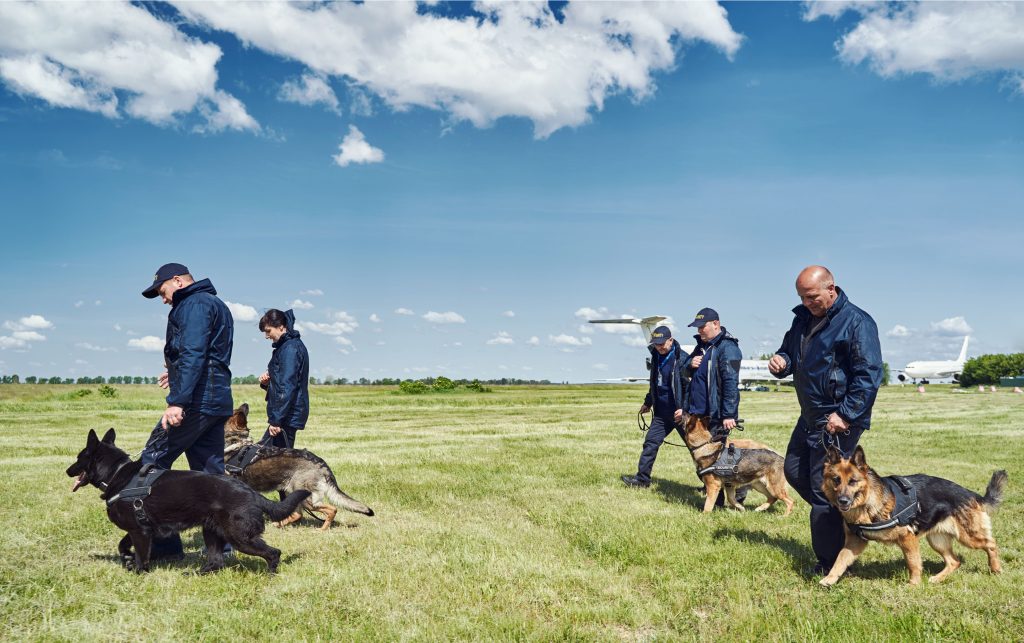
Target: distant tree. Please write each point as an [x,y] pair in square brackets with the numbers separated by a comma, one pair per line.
[341,380]
[987,369]
[412,387]
[313,381]
[442,383]
[68,380]
[107,391]
[137,380]
[31,379]
[885,373]
[364,381]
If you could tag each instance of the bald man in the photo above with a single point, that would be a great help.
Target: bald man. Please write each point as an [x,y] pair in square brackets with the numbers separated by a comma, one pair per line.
[832,352]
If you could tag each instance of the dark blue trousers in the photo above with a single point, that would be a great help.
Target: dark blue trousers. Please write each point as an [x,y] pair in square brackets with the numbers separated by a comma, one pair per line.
[201,438]
[285,439]
[656,434]
[805,465]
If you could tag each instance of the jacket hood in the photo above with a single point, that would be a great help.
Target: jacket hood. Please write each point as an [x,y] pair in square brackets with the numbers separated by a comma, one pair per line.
[182,294]
[289,316]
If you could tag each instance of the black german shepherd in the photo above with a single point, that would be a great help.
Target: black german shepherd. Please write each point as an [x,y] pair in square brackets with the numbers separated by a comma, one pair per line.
[228,510]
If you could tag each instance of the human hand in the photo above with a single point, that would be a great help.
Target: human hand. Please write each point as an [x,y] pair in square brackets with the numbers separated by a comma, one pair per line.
[836,423]
[172,417]
[644,409]
[162,380]
[695,362]
[777,364]
[265,377]
[274,430]
[678,416]
[728,424]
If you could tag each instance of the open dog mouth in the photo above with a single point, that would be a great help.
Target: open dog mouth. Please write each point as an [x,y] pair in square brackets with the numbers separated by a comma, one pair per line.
[80,480]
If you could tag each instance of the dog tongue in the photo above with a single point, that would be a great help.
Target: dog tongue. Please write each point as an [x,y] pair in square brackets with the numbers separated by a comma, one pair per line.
[79,481]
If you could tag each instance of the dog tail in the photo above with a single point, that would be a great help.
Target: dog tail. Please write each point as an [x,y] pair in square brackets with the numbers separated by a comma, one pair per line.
[994,491]
[330,489]
[278,511]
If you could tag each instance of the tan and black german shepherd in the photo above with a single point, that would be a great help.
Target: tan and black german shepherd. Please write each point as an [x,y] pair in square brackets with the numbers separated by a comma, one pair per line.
[286,470]
[760,467]
[946,511]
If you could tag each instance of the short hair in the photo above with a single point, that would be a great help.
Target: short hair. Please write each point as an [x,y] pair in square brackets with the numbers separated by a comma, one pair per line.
[273,318]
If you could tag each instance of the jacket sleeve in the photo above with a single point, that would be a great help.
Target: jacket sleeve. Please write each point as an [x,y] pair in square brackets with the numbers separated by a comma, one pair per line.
[286,385]
[865,374]
[784,350]
[195,344]
[729,374]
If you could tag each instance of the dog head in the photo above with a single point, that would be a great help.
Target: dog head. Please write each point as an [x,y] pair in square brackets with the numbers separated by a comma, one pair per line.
[697,430]
[94,460]
[237,427]
[846,481]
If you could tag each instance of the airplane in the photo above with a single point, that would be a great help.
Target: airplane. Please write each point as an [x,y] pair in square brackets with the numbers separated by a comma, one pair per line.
[922,370]
[751,370]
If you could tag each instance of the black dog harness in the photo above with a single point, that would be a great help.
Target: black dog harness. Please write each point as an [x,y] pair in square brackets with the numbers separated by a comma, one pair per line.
[727,464]
[137,490]
[902,514]
[242,458]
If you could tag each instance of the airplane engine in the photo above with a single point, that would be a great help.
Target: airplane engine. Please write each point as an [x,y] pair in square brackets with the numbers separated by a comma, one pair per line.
[901,377]
[956,377]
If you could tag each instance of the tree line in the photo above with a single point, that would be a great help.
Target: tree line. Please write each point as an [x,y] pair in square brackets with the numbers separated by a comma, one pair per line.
[252,379]
[988,369]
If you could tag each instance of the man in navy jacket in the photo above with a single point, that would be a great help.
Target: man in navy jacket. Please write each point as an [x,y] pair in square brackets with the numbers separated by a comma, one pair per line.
[833,354]
[197,354]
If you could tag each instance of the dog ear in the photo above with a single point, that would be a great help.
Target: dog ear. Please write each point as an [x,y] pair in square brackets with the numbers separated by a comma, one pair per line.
[93,440]
[858,459]
[244,409]
[832,455]
[108,437]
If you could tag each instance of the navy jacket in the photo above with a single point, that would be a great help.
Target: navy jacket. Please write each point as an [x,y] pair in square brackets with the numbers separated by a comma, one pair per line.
[288,389]
[678,382]
[840,367]
[198,350]
[723,358]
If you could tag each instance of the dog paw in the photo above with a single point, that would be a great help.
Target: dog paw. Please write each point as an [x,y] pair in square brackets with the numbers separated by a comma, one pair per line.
[828,581]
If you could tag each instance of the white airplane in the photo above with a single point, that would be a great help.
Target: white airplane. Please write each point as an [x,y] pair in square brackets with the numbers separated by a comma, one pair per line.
[922,370]
[751,370]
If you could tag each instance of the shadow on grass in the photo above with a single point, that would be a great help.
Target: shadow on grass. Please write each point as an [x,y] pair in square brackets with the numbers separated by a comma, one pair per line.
[679,493]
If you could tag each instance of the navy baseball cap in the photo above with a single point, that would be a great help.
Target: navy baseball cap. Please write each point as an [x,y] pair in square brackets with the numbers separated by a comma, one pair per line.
[166,271]
[704,315]
[660,335]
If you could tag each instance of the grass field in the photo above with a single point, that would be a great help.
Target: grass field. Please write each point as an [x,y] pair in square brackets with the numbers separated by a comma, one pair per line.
[500,516]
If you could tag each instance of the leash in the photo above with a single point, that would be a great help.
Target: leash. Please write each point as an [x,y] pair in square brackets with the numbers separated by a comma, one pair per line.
[830,439]
[642,424]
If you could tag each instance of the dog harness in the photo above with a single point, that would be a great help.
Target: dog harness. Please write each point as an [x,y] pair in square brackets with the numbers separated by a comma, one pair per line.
[242,458]
[902,514]
[727,464]
[137,490]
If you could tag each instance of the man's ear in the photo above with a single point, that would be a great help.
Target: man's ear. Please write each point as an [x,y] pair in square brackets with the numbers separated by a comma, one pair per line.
[108,437]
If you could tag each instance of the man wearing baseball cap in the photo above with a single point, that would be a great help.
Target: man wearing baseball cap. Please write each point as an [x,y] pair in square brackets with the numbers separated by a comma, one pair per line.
[713,371]
[665,397]
[197,355]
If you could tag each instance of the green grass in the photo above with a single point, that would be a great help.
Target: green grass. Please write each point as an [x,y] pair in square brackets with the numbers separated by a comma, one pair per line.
[500,516]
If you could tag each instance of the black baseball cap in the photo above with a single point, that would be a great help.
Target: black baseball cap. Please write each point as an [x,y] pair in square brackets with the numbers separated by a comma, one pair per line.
[704,315]
[165,272]
[660,335]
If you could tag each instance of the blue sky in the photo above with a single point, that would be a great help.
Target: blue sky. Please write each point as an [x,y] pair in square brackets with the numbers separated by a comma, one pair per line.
[511,169]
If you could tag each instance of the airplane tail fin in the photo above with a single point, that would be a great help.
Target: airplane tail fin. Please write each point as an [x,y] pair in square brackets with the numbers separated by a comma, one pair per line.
[963,351]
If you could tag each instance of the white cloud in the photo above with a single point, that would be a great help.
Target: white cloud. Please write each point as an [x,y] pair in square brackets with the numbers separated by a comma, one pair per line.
[508,313]
[149,343]
[403,311]
[343,324]
[375,318]
[533,341]
[636,341]
[241,312]
[315,292]
[28,336]
[502,338]
[569,340]
[32,322]
[553,72]
[952,326]
[298,304]
[116,59]
[444,318]
[344,341]
[586,329]
[898,331]
[949,41]
[591,313]
[11,342]
[98,302]
[343,316]
[117,327]
[355,149]
[310,89]
[79,303]
[92,347]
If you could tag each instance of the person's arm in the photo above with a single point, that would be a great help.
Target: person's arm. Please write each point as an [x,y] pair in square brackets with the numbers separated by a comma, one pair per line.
[729,374]
[195,345]
[865,374]
[286,385]
[781,363]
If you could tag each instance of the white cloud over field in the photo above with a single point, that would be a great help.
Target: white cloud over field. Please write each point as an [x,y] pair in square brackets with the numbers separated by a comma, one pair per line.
[149,344]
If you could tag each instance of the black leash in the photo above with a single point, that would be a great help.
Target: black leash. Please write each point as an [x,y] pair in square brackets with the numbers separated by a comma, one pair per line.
[641,423]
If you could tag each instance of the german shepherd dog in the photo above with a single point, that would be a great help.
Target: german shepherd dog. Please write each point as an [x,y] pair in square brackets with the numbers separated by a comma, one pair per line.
[227,510]
[946,511]
[287,470]
[760,467]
